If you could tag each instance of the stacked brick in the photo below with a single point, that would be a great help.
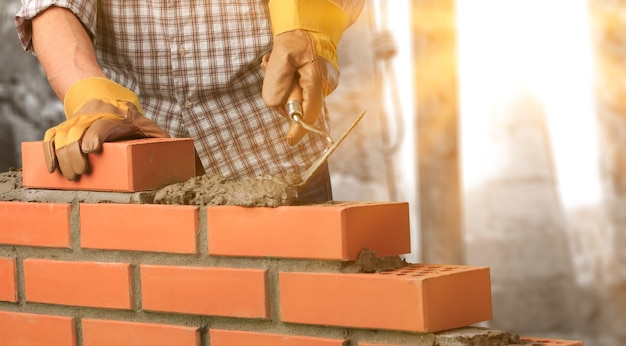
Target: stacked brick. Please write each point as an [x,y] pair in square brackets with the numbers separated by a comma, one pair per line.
[89,274]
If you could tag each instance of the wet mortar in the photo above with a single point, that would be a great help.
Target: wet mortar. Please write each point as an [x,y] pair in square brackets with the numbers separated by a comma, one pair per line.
[263,191]
[368,262]
[10,181]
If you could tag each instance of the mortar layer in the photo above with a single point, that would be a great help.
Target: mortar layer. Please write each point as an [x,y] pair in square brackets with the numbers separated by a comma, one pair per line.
[11,189]
[264,191]
[369,262]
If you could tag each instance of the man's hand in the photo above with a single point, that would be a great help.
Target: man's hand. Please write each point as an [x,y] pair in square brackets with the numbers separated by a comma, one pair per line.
[98,110]
[306,34]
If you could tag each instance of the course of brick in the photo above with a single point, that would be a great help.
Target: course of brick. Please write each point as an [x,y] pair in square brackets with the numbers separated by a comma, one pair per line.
[83,273]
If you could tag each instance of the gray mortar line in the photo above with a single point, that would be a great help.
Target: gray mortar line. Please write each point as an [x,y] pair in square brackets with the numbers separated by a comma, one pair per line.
[135,287]
[205,340]
[21,288]
[9,251]
[273,291]
[161,258]
[78,324]
[75,227]
[202,233]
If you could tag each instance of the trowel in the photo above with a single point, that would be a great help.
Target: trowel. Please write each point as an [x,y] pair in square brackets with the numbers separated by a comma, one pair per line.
[294,111]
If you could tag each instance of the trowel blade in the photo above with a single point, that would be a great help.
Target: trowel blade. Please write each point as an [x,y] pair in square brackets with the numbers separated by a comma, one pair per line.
[317,164]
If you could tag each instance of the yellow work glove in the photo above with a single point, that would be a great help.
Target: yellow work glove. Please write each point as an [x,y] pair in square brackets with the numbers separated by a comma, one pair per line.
[97,110]
[304,56]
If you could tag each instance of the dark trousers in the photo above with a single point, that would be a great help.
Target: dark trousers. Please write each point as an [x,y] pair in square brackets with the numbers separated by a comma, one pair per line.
[318,189]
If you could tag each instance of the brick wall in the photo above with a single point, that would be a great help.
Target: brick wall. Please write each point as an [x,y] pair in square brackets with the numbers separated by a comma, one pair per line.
[86,274]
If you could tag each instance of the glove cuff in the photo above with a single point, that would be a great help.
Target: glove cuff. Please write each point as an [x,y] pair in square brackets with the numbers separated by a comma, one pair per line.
[323,16]
[325,48]
[98,88]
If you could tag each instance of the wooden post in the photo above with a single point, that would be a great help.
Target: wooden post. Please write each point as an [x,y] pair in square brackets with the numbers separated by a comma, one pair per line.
[435,78]
[608,20]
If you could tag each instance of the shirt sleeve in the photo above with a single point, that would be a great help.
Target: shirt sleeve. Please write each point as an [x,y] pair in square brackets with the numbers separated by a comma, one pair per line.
[85,11]
[353,9]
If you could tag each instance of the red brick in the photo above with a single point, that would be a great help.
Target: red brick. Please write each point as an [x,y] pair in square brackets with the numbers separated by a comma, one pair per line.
[205,291]
[330,231]
[550,342]
[221,337]
[417,298]
[8,281]
[140,227]
[91,284]
[134,165]
[111,333]
[36,330]
[35,224]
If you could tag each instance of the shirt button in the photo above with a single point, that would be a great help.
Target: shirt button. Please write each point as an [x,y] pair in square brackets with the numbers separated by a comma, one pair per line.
[188,104]
[182,50]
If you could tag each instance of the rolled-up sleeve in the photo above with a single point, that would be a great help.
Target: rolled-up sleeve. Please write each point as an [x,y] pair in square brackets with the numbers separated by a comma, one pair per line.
[85,11]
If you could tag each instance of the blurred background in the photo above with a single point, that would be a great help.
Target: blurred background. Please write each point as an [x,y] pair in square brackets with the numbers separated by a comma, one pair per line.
[28,106]
[501,122]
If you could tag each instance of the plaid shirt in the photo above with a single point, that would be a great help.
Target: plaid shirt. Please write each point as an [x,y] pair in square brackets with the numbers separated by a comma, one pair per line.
[195,66]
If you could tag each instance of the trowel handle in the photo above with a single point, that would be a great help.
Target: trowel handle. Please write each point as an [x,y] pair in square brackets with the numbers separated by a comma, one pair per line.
[294,102]
[294,111]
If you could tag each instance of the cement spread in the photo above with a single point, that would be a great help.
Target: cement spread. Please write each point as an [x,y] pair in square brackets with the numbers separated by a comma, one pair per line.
[264,191]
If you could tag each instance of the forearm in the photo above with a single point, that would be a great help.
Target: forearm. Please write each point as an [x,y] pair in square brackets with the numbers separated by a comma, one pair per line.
[64,49]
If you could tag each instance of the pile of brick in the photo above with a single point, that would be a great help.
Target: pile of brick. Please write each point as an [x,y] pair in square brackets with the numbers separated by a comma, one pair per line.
[86,268]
